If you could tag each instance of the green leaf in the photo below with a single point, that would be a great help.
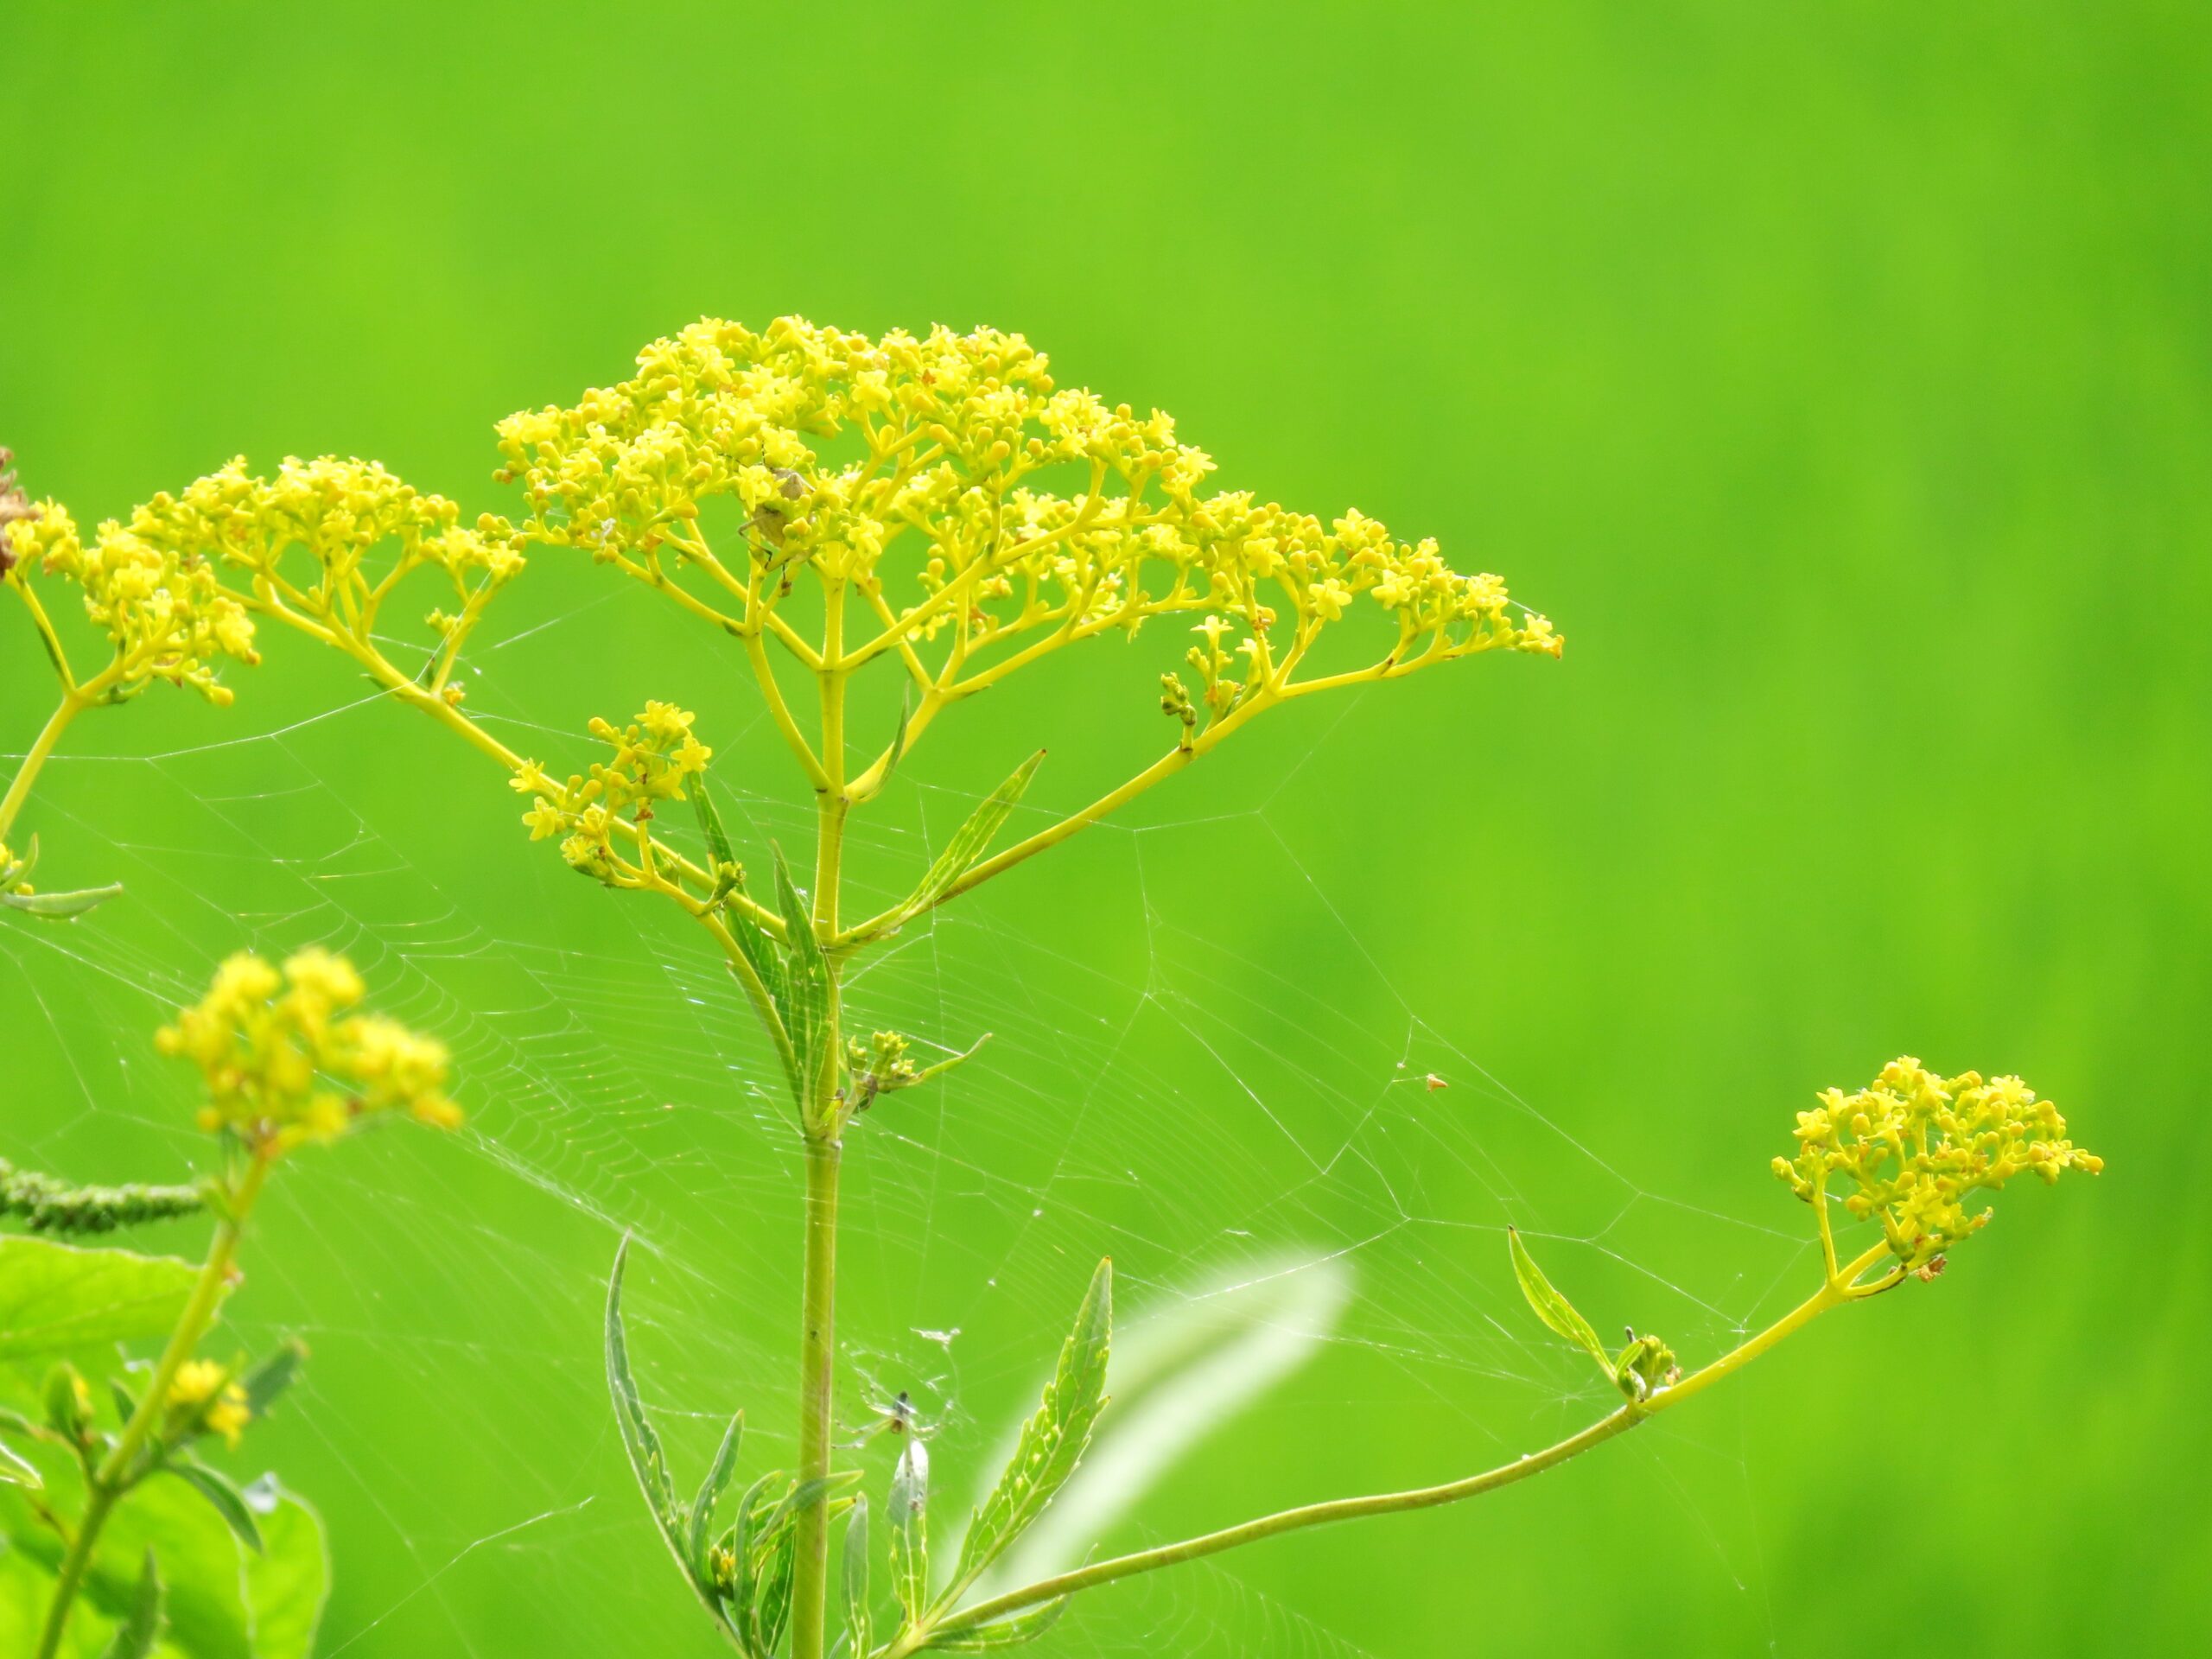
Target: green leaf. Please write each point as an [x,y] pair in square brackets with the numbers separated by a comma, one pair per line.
[61,907]
[1052,1442]
[222,1493]
[1005,1633]
[910,1533]
[711,1494]
[264,1381]
[14,1471]
[723,864]
[806,1005]
[221,1600]
[1554,1309]
[63,1302]
[966,848]
[898,738]
[742,1536]
[859,1627]
[136,1636]
[647,1461]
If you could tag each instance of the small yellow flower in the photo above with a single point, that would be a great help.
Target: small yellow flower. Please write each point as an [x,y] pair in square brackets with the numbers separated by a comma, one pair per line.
[203,1393]
[286,1061]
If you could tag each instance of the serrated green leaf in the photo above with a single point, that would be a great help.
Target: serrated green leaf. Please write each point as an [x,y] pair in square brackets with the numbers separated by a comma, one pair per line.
[805,1006]
[142,1627]
[743,1535]
[63,1301]
[859,1625]
[222,1494]
[967,846]
[711,1494]
[1052,1442]
[908,1513]
[1554,1309]
[648,1462]
[773,1575]
[61,907]
[1004,1633]
[722,857]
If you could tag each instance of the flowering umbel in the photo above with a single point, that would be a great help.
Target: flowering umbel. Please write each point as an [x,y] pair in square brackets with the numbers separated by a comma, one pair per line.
[1026,509]
[286,1061]
[162,606]
[653,757]
[1915,1148]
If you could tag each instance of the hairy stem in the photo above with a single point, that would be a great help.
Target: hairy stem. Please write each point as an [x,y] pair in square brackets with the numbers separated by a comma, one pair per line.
[1830,1294]
[114,1475]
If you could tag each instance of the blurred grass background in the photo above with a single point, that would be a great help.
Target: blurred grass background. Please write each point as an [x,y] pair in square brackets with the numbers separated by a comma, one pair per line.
[1837,378]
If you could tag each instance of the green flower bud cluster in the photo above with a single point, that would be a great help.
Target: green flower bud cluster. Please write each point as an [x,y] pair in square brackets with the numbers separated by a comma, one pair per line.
[50,1205]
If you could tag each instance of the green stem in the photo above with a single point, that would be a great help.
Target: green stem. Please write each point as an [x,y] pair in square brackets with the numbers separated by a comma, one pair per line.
[1831,1295]
[818,1397]
[27,774]
[114,1476]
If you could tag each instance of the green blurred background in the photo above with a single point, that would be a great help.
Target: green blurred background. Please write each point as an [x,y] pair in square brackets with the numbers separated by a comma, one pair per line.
[1836,376]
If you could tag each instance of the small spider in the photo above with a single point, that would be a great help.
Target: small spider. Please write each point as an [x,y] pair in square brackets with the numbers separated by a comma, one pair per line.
[896,1417]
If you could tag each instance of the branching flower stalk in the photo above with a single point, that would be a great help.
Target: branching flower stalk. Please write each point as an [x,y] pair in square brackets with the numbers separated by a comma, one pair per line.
[286,1062]
[951,516]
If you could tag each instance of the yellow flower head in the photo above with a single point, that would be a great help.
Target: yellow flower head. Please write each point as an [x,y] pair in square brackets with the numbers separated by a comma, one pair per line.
[653,758]
[286,1061]
[160,606]
[952,480]
[1913,1147]
[204,1394]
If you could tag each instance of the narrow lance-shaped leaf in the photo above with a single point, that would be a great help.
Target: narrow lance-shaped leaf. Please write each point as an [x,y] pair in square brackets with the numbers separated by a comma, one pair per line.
[1053,1441]
[142,1626]
[961,853]
[1554,1309]
[722,856]
[1004,1633]
[61,907]
[222,1494]
[709,1494]
[648,1462]
[859,1626]
[740,1540]
[266,1381]
[899,737]
[910,1535]
[806,986]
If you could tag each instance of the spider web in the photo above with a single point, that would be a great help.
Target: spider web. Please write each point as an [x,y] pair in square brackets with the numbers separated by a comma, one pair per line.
[1270,1143]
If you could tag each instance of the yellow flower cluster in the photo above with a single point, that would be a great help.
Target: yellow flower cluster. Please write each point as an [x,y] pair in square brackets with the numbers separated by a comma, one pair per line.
[652,757]
[286,1063]
[204,1395]
[162,605]
[337,511]
[831,446]
[1916,1146]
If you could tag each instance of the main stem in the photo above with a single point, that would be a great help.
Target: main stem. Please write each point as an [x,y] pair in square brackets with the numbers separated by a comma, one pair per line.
[107,1483]
[819,1292]
[1831,1294]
